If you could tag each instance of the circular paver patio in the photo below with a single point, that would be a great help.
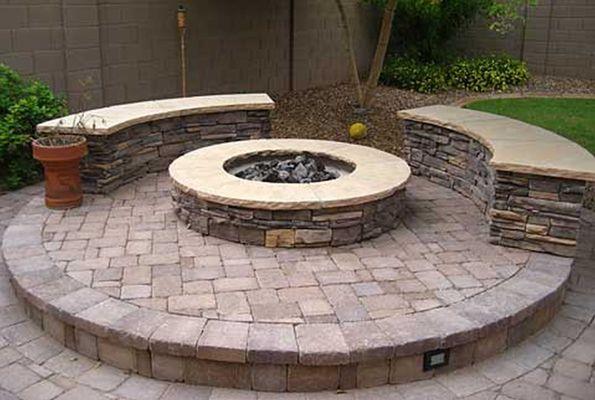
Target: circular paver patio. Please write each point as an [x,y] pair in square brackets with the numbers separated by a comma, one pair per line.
[131,246]
[558,363]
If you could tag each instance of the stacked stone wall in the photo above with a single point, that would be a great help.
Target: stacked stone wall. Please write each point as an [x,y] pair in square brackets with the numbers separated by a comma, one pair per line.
[536,212]
[291,228]
[533,212]
[585,249]
[129,154]
[450,159]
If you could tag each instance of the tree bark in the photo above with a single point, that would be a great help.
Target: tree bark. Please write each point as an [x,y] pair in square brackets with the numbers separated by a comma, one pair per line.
[348,40]
[380,53]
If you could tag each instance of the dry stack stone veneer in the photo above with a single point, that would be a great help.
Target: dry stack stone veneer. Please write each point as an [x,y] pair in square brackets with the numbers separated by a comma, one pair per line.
[585,249]
[367,200]
[529,181]
[128,141]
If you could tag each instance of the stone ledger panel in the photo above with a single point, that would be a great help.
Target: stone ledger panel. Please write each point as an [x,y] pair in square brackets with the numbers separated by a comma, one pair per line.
[585,249]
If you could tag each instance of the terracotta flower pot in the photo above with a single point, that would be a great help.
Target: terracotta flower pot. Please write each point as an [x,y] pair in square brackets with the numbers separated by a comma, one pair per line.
[61,156]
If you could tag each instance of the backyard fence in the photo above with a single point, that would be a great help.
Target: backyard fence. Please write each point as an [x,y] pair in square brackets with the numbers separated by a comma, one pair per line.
[116,51]
[559,39]
[119,51]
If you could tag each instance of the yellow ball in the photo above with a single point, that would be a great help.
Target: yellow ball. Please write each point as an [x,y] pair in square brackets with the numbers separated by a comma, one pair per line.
[357,130]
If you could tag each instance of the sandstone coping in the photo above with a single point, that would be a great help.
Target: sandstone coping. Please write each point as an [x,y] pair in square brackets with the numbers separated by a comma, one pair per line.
[515,146]
[67,310]
[377,175]
[109,120]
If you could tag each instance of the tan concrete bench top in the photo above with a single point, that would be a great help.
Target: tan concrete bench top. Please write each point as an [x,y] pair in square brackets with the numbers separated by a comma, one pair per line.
[104,121]
[515,145]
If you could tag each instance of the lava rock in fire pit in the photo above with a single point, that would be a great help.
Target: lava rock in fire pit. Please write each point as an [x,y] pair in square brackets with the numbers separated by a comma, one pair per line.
[303,168]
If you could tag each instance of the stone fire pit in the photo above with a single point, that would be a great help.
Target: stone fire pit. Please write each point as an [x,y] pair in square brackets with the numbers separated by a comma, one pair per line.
[360,194]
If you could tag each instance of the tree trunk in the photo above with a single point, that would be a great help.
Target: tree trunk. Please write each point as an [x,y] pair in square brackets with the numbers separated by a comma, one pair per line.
[348,40]
[380,53]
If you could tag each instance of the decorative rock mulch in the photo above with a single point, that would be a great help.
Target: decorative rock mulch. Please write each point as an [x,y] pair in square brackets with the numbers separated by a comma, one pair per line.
[326,112]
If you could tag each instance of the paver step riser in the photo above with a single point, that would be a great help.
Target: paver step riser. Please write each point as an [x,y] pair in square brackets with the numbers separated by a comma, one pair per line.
[295,376]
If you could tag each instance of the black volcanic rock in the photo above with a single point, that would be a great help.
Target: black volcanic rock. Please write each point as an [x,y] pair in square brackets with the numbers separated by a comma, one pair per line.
[303,168]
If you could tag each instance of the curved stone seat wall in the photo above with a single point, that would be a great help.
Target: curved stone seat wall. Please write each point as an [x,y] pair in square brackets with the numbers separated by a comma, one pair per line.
[128,141]
[531,203]
[450,159]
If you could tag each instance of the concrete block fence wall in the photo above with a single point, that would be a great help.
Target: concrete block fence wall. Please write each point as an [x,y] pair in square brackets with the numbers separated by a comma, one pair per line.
[119,51]
[559,40]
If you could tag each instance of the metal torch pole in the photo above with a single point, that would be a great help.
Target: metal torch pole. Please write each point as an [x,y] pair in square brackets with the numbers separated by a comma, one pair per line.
[182,30]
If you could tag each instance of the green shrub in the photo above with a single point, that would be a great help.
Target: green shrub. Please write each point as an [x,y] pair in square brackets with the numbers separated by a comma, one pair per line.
[482,74]
[11,88]
[23,105]
[407,73]
[478,74]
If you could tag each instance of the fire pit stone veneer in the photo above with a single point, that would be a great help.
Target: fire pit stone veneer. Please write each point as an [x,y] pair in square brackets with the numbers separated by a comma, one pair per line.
[366,199]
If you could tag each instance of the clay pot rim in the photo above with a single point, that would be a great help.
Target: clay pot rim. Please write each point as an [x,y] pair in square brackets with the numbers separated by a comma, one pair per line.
[76,141]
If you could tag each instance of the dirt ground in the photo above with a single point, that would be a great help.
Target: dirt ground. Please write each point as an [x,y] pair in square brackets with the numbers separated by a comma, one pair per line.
[326,112]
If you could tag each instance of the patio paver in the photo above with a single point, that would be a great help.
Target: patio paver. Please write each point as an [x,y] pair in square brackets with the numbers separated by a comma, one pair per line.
[404,271]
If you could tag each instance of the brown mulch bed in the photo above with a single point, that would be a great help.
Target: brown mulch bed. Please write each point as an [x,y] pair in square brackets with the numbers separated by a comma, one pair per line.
[326,112]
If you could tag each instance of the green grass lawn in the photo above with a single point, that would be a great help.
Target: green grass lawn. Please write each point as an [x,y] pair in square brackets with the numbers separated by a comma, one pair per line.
[571,118]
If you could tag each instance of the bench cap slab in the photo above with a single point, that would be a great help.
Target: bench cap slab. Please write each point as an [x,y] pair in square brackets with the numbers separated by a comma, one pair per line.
[516,146]
[105,121]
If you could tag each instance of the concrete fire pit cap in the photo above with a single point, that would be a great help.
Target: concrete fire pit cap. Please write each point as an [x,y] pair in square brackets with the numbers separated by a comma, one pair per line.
[376,175]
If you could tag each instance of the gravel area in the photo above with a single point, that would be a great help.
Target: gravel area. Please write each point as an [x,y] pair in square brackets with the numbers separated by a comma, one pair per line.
[326,112]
